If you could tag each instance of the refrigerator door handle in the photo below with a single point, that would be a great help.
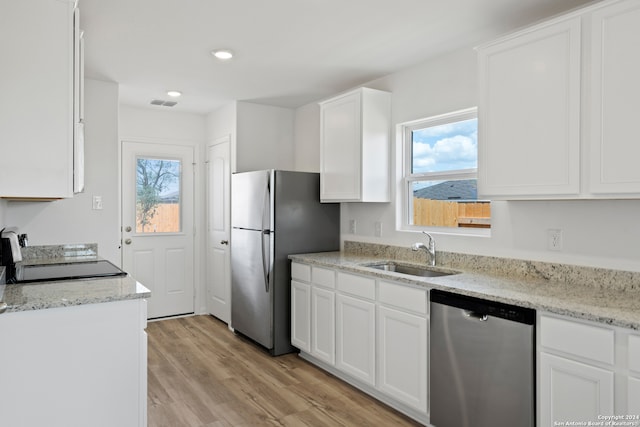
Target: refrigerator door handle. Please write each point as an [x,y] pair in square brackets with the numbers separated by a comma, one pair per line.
[266,263]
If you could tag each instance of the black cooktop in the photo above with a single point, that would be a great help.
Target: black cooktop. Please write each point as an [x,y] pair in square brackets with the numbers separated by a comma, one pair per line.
[67,271]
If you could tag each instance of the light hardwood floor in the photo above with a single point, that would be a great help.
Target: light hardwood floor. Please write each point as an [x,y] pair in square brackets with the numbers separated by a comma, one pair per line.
[202,375]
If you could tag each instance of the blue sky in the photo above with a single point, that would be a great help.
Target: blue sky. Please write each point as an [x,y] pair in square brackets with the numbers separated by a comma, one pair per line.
[446,147]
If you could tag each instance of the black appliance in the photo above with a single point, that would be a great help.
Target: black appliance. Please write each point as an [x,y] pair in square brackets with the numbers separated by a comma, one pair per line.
[16,272]
[66,271]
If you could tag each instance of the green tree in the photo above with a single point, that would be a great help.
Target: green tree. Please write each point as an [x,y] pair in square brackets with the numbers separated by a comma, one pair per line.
[153,176]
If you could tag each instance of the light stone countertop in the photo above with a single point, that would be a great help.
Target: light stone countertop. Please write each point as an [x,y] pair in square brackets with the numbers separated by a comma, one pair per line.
[42,295]
[612,305]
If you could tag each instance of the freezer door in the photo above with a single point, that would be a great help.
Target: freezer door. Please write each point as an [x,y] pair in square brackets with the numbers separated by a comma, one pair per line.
[251,200]
[251,285]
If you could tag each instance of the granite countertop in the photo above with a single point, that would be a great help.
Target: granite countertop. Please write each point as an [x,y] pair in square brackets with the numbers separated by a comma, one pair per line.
[614,305]
[41,295]
[64,293]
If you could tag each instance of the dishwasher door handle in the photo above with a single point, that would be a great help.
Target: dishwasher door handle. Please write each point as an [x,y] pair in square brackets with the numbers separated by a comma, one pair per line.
[475,315]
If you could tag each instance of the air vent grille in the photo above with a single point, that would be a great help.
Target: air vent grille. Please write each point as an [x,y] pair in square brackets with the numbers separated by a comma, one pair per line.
[163,103]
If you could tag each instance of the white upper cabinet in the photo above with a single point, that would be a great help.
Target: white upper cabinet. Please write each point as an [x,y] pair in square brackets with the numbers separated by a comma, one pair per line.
[557,107]
[529,113]
[37,126]
[354,147]
[615,90]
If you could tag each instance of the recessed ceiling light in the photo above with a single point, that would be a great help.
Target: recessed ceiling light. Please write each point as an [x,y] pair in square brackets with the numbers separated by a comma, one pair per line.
[174,93]
[223,54]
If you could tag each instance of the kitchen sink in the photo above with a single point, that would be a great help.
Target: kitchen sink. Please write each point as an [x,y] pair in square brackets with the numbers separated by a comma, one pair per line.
[411,270]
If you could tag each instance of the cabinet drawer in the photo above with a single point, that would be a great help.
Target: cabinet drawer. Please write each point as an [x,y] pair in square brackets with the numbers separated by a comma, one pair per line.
[301,272]
[323,277]
[634,353]
[403,297]
[364,287]
[579,339]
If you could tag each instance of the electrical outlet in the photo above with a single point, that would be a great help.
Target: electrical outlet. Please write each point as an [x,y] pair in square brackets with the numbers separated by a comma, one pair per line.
[97,202]
[352,226]
[378,228]
[554,239]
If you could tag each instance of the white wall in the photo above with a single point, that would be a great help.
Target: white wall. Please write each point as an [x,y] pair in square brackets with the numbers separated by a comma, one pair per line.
[3,209]
[595,233]
[73,220]
[262,136]
[307,138]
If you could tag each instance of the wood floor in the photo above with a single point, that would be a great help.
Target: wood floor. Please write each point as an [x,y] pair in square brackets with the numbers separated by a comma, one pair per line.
[202,375]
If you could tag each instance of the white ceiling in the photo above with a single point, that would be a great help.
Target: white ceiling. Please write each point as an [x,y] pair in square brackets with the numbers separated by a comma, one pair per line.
[288,52]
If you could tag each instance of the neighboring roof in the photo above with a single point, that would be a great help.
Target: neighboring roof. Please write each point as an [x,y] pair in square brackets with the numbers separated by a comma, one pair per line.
[173,197]
[465,189]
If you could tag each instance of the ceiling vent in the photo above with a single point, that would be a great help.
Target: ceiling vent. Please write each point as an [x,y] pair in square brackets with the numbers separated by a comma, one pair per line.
[163,103]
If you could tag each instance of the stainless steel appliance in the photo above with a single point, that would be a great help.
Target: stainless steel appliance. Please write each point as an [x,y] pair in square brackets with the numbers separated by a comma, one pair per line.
[273,214]
[482,357]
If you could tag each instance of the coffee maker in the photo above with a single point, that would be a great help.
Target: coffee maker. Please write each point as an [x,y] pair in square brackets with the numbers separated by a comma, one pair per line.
[10,252]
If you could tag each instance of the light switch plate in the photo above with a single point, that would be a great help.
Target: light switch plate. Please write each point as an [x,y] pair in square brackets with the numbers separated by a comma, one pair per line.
[97,202]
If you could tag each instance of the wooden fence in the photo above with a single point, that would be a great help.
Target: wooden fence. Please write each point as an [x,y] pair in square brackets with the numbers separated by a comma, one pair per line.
[442,213]
[166,220]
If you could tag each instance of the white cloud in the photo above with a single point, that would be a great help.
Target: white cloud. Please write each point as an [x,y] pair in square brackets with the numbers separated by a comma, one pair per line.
[457,152]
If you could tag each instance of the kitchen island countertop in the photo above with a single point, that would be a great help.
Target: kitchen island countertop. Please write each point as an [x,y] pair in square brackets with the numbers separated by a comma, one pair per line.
[609,305]
[41,295]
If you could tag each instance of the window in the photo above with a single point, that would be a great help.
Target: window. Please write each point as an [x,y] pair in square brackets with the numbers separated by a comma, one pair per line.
[157,195]
[441,169]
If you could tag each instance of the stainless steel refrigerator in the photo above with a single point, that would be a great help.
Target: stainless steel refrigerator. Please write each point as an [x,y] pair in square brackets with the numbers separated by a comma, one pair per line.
[274,214]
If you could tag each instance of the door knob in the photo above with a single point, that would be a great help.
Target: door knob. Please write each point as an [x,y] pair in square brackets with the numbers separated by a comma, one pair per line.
[127,242]
[127,229]
[224,242]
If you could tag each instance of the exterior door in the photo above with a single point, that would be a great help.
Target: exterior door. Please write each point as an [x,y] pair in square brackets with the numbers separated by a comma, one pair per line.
[157,223]
[218,262]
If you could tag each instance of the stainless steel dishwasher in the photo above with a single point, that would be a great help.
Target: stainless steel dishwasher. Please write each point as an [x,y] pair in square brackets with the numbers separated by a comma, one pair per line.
[482,363]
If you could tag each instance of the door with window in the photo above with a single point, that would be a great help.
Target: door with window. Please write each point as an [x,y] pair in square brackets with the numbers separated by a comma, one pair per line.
[157,223]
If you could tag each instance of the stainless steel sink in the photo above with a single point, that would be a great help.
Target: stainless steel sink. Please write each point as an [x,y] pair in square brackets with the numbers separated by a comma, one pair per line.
[411,270]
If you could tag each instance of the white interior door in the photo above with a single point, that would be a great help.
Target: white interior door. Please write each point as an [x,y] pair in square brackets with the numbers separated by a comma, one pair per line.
[218,226]
[157,223]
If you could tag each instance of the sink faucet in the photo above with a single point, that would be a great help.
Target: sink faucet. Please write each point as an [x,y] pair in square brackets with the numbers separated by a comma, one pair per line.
[430,248]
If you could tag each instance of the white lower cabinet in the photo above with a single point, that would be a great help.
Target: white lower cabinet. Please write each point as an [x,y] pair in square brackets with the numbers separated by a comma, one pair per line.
[371,333]
[573,391]
[402,353]
[633,384]
[586,370]
[83,365]
[323,323]
[355,336]
[633,396]
[301,315]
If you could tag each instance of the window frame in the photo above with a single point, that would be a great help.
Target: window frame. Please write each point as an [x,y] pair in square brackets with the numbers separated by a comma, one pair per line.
[408,178]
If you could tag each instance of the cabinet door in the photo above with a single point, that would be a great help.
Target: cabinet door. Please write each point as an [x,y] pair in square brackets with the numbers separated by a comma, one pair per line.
[301,315]
[402,352]
[323,331]
[633,396]
[615,89]
[340,155]
[36,106]
[573,391]
[355,338]
[529,114]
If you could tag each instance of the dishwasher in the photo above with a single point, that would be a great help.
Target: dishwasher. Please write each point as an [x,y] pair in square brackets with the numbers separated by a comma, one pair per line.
[482,363]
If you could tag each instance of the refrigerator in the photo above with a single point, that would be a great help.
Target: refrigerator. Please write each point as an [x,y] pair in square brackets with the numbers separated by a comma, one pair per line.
[274,213]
